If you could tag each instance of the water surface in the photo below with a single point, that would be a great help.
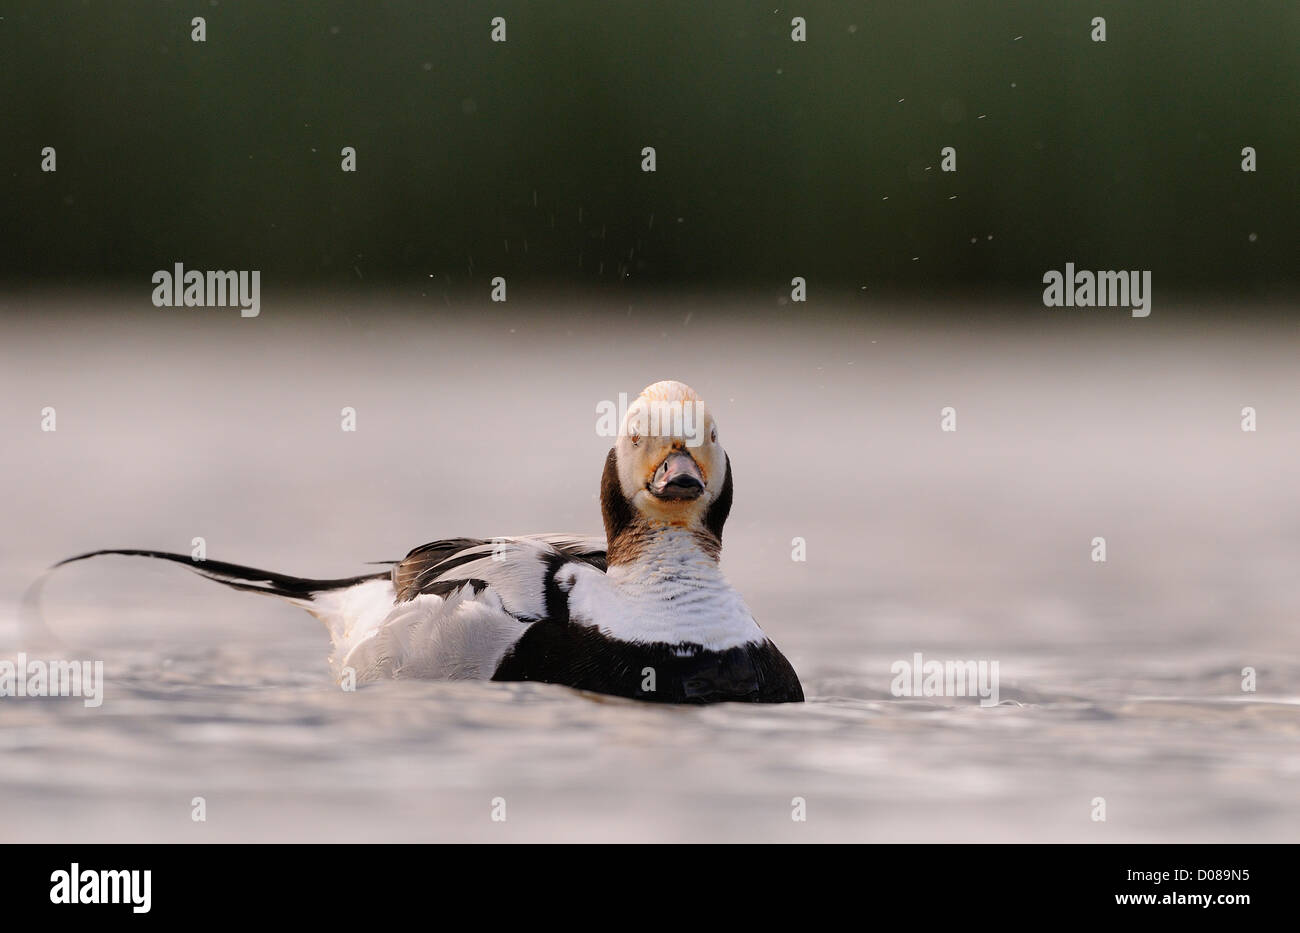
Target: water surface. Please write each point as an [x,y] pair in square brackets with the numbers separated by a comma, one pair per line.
[1119,680]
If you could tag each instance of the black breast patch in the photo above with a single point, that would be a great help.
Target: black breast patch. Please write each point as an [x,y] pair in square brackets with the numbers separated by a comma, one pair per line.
[581,656]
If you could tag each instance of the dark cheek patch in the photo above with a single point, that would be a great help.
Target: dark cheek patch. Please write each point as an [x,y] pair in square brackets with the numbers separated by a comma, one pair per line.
[716,517]
[616,510]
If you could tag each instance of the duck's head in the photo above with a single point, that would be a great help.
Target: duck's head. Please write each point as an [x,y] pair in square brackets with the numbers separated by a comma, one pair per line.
[667,470]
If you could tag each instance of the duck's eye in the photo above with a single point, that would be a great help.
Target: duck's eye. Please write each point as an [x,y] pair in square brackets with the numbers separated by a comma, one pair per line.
[636,438]
[713,435]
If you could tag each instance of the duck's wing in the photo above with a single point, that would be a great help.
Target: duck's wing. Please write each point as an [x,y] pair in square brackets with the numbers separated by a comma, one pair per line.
[521,571]
[457,606]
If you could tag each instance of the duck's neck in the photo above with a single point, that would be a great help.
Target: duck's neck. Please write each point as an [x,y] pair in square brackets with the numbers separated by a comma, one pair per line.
[646,543]
[665,558]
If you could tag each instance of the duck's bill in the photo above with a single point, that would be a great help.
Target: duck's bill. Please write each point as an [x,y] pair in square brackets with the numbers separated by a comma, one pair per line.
[678,477]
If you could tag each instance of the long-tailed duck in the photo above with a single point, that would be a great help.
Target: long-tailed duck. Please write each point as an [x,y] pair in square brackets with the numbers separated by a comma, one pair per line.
[644,613]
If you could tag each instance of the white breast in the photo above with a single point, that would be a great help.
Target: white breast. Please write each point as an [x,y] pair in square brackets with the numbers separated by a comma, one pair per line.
[672,594]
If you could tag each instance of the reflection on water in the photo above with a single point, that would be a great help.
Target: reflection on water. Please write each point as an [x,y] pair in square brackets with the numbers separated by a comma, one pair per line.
[1119,680]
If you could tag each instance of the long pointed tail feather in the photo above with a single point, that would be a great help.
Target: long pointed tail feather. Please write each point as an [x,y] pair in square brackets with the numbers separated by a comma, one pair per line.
[296,589]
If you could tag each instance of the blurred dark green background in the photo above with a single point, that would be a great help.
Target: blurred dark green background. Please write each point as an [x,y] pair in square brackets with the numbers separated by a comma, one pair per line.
[775,158]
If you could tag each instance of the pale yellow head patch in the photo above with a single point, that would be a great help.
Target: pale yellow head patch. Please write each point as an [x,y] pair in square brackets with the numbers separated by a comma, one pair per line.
[669,416]
[669,390]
